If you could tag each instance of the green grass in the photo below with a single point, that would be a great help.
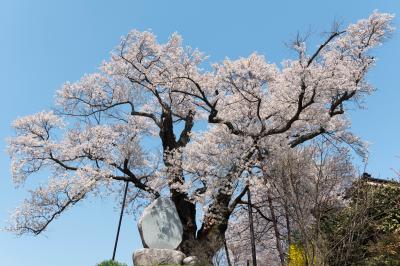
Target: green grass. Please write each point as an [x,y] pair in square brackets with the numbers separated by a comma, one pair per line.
[111,263]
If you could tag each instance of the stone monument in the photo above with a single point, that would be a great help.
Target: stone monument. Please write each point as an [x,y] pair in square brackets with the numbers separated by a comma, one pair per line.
[161,232]
[160,226]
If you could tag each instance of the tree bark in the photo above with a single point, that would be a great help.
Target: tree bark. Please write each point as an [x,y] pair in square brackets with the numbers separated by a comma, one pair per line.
[210,238]
[187,214]
[186,209]
[211,235]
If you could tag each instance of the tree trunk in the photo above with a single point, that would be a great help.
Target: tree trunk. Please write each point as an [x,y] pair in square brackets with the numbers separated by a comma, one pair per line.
[210,239]
[186,209]
[187,214]
[211,235]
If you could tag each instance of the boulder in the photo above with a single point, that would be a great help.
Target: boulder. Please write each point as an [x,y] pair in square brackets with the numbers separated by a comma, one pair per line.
[155,256]
[191,260]
[160,226]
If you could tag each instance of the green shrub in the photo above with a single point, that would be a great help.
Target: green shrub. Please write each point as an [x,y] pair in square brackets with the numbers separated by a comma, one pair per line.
[367,230]
[111,263]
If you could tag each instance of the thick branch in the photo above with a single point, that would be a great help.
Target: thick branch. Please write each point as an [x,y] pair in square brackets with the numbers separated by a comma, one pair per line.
[305,137]
[185,134]
[300,107]
[136,181]
[338,102]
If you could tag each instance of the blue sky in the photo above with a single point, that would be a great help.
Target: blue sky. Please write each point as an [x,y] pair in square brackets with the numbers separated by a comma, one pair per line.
[45,43]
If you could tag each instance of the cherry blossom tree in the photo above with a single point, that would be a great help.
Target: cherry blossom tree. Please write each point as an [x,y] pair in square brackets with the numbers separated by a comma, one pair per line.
[152,116]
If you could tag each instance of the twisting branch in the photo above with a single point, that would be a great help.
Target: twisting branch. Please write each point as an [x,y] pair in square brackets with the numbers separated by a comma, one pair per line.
[69,202]
[185,134]
[338,102]
[322,46]
[305,137]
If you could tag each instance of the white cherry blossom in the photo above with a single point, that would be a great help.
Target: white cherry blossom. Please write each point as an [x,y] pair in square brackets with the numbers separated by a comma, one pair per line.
[154,117]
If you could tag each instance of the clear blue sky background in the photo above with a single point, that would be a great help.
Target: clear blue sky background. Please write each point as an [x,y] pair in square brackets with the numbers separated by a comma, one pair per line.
[45,43]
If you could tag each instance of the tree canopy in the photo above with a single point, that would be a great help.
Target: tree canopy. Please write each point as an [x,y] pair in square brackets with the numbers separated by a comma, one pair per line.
[159,116]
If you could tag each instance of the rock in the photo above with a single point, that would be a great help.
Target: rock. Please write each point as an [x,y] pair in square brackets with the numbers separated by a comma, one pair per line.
[191,260]
[155,256]
[160,226]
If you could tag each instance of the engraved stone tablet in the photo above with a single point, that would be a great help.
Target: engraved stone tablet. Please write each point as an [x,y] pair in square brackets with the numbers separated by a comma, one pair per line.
[160,226]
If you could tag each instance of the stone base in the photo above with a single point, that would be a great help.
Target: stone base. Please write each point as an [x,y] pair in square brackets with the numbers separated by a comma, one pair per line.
[155,256]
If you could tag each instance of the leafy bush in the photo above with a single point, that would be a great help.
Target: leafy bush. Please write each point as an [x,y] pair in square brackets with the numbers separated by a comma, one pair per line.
[111,263]
[367,230]
[386,251]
